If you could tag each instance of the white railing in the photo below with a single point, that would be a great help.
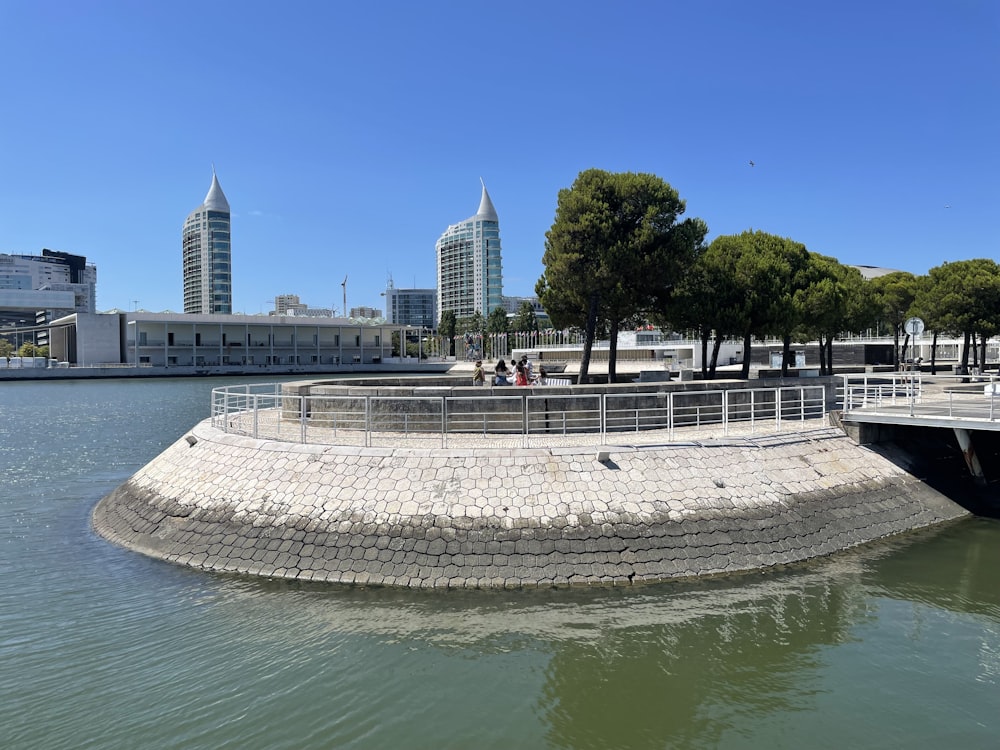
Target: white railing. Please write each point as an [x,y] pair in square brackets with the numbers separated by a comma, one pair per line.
[916,394]
[531,419]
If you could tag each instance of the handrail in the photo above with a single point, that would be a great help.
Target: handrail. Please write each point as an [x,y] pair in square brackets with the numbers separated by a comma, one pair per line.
[919,395]
[532,418]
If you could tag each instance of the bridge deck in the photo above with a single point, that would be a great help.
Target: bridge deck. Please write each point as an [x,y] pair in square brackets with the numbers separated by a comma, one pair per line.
[921,400]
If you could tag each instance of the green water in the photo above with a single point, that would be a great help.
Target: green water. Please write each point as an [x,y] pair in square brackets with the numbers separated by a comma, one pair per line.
[896,645]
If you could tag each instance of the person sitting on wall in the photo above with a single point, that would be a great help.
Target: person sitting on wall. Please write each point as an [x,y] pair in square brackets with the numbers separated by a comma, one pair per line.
[542,375]
[501,373]
[528,368]
[478,376]
[521,375]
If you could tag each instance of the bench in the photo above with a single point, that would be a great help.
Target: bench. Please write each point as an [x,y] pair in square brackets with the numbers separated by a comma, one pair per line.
[555,381]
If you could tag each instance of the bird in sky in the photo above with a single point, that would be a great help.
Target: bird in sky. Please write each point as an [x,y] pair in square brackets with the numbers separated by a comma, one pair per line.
[751,163]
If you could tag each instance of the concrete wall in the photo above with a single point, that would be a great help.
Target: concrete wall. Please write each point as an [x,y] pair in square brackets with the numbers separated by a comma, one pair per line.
[508,518]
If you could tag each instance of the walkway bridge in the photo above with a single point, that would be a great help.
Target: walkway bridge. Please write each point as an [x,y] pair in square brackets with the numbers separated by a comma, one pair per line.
[873,405]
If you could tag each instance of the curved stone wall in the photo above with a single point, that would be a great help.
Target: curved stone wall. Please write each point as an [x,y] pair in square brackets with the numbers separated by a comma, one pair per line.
[494,518]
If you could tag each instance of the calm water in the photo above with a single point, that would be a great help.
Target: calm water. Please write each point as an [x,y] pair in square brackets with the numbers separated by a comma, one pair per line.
[895,646]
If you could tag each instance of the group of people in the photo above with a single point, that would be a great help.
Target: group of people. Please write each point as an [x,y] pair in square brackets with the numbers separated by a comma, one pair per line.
[519,373]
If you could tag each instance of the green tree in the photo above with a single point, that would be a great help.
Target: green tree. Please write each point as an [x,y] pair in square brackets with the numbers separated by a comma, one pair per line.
[894,295]
[472,328]
[497,321]
[702,303]
[496,326]
[6,348]
[28,349]
[525,320]
[474,323]
[447,327]
[962,298]
[837,299]
[793,270]
[757,275]
[616,249]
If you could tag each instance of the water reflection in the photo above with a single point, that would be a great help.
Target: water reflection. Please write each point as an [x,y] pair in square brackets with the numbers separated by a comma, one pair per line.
[893,645]
[697,663]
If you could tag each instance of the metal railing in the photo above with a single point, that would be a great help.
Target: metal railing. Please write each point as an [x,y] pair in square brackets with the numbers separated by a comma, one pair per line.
[531,419]
[916,394]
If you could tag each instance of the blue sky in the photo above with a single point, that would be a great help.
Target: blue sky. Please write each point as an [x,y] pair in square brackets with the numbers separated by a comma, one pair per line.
[348,136]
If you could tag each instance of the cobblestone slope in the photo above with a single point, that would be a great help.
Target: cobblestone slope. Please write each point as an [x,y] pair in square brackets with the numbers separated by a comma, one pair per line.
[507,517]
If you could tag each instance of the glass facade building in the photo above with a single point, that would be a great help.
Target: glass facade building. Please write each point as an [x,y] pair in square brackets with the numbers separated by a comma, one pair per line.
[208,276]
[411,307]
[469,270]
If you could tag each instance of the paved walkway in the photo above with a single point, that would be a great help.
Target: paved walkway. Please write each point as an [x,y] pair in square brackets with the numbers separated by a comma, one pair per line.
[936,401]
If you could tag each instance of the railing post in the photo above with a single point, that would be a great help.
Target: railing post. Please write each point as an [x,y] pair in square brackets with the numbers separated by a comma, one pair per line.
[444,422]
[302,417]
[368,422]
[524,420]
[254,400]
[725,412]
[670,416]
[777,410]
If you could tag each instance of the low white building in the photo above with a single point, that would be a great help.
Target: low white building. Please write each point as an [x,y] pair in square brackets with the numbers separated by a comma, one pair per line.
[145,339]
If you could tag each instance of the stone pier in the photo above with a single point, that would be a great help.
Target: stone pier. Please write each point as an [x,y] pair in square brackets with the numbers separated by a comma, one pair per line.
[491,517]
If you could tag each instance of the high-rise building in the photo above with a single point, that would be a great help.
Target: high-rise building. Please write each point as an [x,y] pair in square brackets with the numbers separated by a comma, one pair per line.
[208,273]
[469,271]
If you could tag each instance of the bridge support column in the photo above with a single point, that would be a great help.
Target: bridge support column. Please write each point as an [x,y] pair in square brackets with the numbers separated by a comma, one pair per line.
[969,451]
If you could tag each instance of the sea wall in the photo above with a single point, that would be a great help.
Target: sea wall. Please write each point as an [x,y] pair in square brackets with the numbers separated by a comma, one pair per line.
[506,518]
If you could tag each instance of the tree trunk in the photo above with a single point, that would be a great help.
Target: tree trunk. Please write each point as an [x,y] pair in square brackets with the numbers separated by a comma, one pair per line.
[745,370]
[829,353]
[612,351]
[822,355]
[588,337]
[906,345]
[983,350]
[705,333]
[934,354]
[965,352]
[715,356]
[786,353]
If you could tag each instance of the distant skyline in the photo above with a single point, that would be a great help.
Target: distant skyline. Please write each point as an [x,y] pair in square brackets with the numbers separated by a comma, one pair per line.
[349,136]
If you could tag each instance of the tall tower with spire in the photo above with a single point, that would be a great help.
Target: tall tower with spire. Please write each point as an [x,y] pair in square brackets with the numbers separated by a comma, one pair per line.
[208,273]
[469,270]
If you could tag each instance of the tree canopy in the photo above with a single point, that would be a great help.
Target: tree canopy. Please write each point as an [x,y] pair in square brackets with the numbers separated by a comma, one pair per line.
[525,320]
[750,282]
[447,327]
[961,298]
[894,294]
[496,322]
[615,249]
